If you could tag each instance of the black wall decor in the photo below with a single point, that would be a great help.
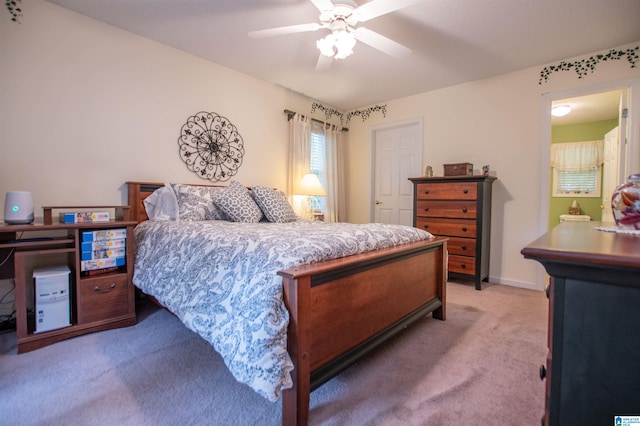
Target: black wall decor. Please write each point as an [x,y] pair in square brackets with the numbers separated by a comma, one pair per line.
[211,146]
[583,67]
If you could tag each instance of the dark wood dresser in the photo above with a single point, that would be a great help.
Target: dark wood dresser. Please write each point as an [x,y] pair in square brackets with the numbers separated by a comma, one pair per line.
[592,370]
[457,207]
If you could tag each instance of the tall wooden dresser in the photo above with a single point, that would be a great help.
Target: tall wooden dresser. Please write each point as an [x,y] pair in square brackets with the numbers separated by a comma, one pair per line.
[458,207]
[592,370]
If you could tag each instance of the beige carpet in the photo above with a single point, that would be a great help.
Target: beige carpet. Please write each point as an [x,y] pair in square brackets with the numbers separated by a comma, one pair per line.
[480,367]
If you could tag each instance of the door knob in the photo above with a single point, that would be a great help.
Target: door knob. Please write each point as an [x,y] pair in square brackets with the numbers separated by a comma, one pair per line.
[378,202]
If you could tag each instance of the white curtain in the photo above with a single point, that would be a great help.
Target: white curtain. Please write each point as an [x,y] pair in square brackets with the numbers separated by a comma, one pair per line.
[577,156]
[299,149]
[334,157]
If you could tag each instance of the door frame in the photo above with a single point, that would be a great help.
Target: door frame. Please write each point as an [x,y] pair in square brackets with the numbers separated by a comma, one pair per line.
[419,121]
[633,130]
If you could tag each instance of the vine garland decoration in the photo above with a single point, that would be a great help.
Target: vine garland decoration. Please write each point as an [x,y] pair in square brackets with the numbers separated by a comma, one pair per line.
[583,67]
[328,112]
[363,113]
[14,9]
[211,146]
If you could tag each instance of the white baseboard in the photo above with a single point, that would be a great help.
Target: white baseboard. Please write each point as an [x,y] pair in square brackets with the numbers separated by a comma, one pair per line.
[513,283]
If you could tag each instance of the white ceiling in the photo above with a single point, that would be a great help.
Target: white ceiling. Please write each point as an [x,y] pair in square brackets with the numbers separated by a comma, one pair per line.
[453,41]
[585,109]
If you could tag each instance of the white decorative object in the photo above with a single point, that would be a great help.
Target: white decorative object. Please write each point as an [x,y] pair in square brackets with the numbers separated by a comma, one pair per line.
[18,207]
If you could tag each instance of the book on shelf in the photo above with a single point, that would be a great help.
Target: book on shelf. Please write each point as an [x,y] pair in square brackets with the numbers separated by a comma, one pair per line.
[104,234]
[103,244]
[102,254]
[84,217]
[109,262]
[101,271]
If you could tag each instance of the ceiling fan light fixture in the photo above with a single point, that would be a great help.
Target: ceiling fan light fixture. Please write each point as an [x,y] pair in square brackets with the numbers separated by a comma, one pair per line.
[326,45]
[339,44]
[560,110]
[345,42]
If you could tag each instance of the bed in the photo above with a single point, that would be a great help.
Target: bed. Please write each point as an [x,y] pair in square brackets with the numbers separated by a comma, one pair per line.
[369,297]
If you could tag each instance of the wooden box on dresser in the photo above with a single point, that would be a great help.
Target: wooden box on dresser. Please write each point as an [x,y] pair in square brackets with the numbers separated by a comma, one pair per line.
[98,302]
[592,369]
[458,207]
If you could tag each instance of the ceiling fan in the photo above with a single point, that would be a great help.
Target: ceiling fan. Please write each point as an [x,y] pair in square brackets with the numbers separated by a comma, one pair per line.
[341,19]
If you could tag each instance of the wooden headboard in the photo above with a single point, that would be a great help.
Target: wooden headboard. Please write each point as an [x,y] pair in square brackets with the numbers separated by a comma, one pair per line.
[138,191]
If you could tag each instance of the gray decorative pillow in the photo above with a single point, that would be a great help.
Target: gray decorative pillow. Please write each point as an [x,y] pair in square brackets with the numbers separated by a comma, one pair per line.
[274,204]
[237,204]
[196,202]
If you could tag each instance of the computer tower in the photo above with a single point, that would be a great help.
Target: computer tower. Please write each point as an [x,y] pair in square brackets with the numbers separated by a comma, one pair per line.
[52,301]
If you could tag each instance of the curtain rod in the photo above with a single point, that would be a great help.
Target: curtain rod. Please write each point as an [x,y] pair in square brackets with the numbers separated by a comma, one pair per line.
[290,115]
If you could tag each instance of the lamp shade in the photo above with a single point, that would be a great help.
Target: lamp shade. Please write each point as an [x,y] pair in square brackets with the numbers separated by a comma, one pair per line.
[310,185]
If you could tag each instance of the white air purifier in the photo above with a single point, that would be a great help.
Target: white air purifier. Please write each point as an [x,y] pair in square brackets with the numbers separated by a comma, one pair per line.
[18,207]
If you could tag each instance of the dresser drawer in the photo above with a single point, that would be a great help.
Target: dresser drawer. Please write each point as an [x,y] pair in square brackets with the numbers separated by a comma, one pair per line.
[462,264]
[448,227]
[103,298]
[447,191]
[454,209]
[462,246]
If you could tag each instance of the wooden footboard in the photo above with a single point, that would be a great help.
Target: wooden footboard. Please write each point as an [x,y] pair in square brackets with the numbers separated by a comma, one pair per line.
[342,309]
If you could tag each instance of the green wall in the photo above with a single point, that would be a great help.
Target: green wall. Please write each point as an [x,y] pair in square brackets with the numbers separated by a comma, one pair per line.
[577,133]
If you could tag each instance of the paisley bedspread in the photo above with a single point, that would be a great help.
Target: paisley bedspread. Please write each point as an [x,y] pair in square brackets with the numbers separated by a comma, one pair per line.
[220,279]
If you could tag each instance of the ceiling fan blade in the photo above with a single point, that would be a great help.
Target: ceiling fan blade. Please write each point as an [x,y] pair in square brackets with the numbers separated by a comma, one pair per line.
[376,8]
[382,43]
[324,63]
[284,30]
[323,5]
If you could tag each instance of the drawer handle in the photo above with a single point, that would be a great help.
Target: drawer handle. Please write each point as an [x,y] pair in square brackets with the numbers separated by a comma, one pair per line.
[97,289]
[464,210]
[464,247]
[543,372]
[464,229]
[425,226]
[426,209]
[463,265]
[465,191]
[426,191]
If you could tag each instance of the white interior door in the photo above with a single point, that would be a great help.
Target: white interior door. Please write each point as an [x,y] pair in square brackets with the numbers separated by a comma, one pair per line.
[397,157]
[610,171]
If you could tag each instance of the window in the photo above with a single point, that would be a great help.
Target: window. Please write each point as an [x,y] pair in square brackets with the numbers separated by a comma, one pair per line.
[584,183]
[577,168]
[317,161]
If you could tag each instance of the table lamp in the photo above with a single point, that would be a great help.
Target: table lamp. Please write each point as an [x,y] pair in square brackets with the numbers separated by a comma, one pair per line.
[311,187]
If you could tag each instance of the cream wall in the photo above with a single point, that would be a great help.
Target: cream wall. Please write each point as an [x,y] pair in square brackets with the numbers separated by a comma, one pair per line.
[85,106]
[497,121]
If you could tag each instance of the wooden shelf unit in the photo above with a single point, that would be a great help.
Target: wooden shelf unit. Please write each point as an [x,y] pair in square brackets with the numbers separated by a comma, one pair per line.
[97,302]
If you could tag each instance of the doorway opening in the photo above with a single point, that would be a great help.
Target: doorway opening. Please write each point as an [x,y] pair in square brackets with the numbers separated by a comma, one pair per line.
[593,120]
[628,93]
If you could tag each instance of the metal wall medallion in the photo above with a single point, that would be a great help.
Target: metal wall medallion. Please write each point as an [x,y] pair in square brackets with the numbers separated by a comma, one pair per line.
[211,146]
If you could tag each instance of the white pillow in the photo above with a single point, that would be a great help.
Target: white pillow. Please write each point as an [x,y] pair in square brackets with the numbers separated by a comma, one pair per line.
[162,204]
